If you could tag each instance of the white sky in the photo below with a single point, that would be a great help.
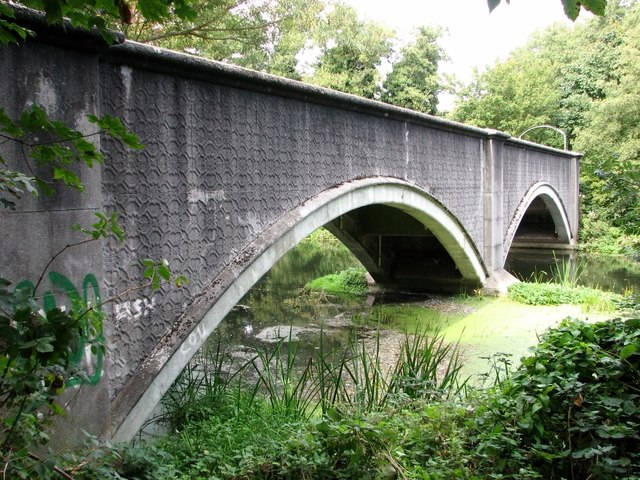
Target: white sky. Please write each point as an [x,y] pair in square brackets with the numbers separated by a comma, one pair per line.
[473,36]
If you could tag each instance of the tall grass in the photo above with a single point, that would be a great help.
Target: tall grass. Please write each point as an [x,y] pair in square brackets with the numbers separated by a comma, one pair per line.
[566,273]
[428,368]
[355,377]
[563,272]
[202,388]
[289,388]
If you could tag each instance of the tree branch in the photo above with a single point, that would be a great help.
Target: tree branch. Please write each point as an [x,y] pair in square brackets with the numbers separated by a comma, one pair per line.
[64,249]
[58,470]
[204,27]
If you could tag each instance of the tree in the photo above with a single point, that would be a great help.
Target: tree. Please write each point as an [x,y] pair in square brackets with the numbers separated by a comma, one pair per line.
[287,41]
[237,31]
[611,138]
[350,52]
[512,96]
[413,82]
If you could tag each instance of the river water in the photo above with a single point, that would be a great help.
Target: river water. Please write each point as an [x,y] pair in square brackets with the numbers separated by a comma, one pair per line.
[278,307]
[614,274]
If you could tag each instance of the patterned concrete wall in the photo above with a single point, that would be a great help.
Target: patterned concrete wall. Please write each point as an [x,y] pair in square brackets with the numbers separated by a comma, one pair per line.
[221,164]
[228,153]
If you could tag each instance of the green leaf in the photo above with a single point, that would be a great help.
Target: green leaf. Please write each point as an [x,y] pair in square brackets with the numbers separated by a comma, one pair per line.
[627,351]
[44,187]
[9,126]
[184,10]
[163,269]
[44,345]
[596,7]
[68,177]
[153,9]
[181,280]
[53,11]
[115,228]
[115,128]
[572,7]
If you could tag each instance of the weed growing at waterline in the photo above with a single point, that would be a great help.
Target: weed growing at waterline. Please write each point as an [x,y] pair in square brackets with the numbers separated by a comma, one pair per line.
[412,318]
[351,281]
[560,287]
[591,300]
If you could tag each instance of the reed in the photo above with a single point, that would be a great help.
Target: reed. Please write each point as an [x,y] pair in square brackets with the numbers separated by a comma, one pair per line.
[354,377]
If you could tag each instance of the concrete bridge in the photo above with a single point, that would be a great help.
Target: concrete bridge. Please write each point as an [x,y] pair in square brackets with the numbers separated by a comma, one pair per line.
[238,168]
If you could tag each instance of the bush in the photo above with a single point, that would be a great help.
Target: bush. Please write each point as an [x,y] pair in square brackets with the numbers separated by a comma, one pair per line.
[571,410]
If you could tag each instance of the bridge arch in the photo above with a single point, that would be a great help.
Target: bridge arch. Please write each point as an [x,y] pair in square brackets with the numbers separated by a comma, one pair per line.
[547,195]
[256,259]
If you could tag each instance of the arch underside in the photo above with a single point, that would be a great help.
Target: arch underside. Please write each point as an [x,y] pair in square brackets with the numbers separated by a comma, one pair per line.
[427,220]
[540,221]
[399,252]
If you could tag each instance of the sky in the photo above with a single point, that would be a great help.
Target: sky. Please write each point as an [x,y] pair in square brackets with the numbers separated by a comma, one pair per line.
[473,37]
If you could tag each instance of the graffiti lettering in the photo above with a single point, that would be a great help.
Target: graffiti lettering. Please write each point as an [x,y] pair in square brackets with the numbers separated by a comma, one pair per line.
[133,310]
[89,352]
[194,339]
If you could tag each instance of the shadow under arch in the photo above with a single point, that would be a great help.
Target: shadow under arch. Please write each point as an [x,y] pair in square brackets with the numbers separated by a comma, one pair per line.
[144,390]
[553,203]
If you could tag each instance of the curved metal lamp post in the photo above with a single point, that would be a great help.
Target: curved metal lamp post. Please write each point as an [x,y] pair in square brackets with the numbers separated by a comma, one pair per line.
[560,131]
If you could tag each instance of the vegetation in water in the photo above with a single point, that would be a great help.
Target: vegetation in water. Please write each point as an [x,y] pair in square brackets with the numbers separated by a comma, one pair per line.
[350,282]
[561,286]
[410,318]
[591,299]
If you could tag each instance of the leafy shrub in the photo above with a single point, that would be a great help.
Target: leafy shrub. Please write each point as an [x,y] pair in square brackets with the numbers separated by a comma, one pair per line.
[598,236]
[571,410]
[36,352]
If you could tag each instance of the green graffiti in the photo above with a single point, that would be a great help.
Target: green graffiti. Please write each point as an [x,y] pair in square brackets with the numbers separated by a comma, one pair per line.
[91,333]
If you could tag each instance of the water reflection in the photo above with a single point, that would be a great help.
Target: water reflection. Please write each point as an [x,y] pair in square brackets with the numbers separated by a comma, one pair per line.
[615,274]
[278,306]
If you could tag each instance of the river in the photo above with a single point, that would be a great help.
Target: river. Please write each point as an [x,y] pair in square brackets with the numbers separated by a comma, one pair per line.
[279,307]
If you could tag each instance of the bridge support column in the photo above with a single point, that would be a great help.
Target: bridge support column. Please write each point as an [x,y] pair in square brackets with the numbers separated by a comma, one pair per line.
[493,188]
[574,206]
